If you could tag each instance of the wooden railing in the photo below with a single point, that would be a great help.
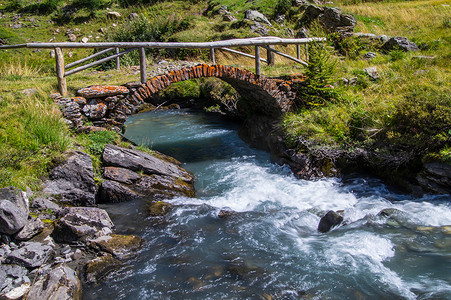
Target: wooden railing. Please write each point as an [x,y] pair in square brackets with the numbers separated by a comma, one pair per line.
[62,71]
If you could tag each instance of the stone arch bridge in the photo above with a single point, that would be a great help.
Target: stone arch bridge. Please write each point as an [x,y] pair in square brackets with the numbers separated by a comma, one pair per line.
[108,106]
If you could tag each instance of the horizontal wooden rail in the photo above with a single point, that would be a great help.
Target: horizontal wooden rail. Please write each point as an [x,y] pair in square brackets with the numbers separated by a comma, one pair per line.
[286,55]
[216,44]
[241,53]
[75,63]
[96,63]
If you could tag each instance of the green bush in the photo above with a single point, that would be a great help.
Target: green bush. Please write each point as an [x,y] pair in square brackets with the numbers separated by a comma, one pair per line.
[422,121]
[91,5]
[320,72]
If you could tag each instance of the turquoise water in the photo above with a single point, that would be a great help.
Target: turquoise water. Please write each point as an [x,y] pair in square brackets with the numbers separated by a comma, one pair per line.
[268,247]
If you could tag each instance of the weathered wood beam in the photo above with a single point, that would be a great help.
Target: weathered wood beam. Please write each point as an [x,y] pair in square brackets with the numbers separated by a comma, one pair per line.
[212,56]
[118,63]
[242,53]
[62,85]
[75,63]
[142,64]
[96,63]
[216,44]
[287,56]
[270,56]
[257,60]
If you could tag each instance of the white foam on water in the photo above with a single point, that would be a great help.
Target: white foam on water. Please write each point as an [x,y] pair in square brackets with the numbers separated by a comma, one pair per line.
[358,250]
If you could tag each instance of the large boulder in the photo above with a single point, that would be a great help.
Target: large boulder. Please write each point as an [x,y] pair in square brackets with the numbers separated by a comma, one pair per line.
[12,217]
[60,283]
[331,219]
[121,175]
[140,161]
[164,187]
[436,177]
[73,181]
[31,255]
[333,20]
[16,196]
[256,16]
[81,224]
[10,274]
[399,43]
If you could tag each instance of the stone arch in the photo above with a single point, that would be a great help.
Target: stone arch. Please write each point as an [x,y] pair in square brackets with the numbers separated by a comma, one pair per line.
[265,95]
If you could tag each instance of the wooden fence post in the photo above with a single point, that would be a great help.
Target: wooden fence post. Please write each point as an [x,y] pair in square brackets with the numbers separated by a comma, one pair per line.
[270,56]
[212,56]
[298,51]
[257,60]
[62,86]
[118,66]
[306,52]
[142,64]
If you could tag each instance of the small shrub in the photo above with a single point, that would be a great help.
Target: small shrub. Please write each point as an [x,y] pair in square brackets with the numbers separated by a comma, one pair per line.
[396,55]
[317,90]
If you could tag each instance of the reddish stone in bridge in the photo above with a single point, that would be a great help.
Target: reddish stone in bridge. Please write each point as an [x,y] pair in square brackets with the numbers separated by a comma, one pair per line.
[99,91]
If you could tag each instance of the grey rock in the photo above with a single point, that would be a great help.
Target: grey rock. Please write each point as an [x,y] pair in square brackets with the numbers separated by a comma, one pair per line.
[333,20]
[80,223]
[44,204]
[424,57]
[436,177]
[369,55]
[71,111]
[133,16]
[399,43]
[60,283]
[228,18]
[254,15]
[114,14]
[16,196]
[259,28]
[95,109]
[18,292]
[30,255]
[73,181]
[364,35]
[33,227]
[115,192]
[312,12]
[72,37]
[163,187]
[12,217]
[11,276]
[121,175]
[29,92]
[280,19]
[372,72]
[84,40]
[4,251]
[140,161]
[97,269]
[331,219]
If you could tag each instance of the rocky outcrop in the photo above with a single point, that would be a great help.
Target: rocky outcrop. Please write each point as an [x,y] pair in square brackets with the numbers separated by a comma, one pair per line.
[331,18]
[159,177]
[33,227]
[73,181]
[329,220]
[399,43]
[60,283]
[435,177]
[97,269]
[81,224]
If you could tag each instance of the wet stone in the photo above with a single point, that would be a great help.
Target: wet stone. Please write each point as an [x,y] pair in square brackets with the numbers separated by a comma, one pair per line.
[331,219]
[120,246]
[98,269]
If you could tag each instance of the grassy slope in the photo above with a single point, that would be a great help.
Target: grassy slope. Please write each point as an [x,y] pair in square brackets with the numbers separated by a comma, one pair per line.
[32,133]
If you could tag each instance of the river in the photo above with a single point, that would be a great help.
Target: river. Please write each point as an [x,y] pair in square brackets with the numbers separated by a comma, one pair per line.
[267,245]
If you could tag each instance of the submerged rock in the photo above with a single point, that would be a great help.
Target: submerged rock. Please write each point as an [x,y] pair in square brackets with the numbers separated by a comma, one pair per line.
[120,246]
[60,283]
[97,269]
[331,219]
[159,208]
[73,181]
